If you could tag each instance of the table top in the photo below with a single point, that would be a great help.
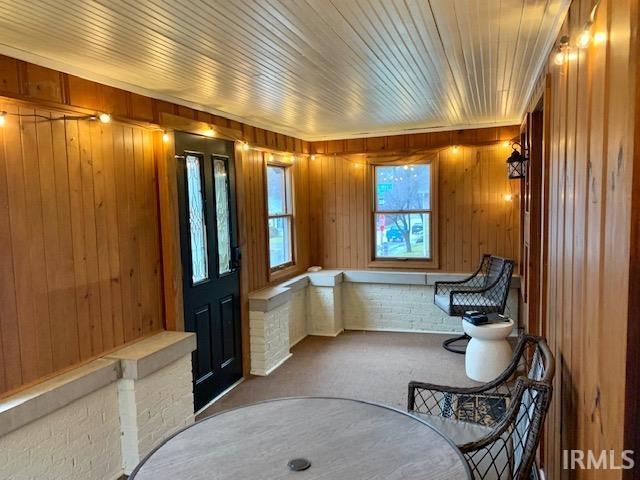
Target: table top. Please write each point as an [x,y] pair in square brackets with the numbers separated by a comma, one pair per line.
[342,438]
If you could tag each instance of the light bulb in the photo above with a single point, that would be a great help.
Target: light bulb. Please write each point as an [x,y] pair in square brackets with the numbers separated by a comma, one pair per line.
[584,39]
[506,144]
[406,167]
[271,158]
[455,149]
[165,137]
[313,157]
[572,55]
[599,37]
[104,117]
[245,146]
[210,132]
[3,118]
[559,58]
[508,197]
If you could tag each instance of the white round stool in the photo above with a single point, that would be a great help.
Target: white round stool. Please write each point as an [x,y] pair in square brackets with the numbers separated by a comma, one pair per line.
[488,352]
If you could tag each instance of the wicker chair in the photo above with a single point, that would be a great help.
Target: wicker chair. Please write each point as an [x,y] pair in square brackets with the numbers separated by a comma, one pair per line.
[485,291]
[497,425]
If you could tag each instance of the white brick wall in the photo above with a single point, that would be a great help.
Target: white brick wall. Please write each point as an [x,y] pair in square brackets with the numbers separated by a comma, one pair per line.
[298,316]
[369,306]
[79,441]
[325,310]
[153,408]
[268,339]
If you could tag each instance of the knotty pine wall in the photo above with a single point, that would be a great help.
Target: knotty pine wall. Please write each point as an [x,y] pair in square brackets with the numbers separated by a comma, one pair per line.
[473,216]
[79,236]
[589,109]
[255,258]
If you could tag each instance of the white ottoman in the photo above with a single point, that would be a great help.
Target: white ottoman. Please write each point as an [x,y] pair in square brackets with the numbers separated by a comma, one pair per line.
[488,352]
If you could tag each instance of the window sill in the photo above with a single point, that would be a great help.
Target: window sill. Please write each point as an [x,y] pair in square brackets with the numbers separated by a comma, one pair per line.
[411,264]
[283,273]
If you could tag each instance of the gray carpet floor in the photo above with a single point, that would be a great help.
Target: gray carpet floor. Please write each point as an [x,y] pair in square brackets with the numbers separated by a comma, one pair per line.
[373,366]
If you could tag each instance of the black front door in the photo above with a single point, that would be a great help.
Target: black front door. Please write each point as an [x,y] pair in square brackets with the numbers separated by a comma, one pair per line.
[209,239]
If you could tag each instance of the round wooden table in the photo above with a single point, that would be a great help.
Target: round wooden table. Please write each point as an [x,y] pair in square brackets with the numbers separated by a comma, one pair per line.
[341,438]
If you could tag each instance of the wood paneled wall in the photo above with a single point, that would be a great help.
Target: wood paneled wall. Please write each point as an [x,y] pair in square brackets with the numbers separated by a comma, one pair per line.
[79,236]
[416,141]
[473,215]
[254,247]
[589,108]
[19,79]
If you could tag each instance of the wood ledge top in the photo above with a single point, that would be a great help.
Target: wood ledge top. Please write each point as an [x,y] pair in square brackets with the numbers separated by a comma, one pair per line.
[131,362]
[267,299]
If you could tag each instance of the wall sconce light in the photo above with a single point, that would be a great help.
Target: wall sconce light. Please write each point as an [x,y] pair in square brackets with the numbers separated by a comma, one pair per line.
[516,163]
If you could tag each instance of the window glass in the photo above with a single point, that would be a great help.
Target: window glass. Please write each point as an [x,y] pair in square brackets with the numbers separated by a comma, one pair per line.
[276,190]
[221,183]
[402,216]
[197,223]
[279,241]
[280,218]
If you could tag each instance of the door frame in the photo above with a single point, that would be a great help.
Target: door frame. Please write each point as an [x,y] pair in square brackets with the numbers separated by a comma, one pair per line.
[170,222]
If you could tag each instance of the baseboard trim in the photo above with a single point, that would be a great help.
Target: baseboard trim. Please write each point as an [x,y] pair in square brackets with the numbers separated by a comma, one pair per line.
[225,392]
[400,330]
[259,373]
[321,334]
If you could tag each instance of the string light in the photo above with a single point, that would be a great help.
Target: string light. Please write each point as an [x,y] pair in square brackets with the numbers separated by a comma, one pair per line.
[561,55]
[599,37]
[584,39]
[3,118]
[104,117]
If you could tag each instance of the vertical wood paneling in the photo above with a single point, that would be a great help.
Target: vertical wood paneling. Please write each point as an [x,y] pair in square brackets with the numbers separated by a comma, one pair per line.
[590,137]
[80,235]
[255,258]
[473,216]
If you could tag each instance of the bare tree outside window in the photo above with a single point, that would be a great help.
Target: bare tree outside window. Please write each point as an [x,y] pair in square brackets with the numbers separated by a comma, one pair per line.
[402,213]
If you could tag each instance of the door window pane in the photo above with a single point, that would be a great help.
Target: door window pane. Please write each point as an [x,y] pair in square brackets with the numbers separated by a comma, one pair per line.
[221,183]
[279,241]
[276,190]
[405,235]
[197,223]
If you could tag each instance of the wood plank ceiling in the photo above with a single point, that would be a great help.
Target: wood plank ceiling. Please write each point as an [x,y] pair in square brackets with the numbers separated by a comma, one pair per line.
[313,69]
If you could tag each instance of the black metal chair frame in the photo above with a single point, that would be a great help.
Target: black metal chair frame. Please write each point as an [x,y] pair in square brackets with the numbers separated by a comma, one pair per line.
[533,368]
[474,293]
